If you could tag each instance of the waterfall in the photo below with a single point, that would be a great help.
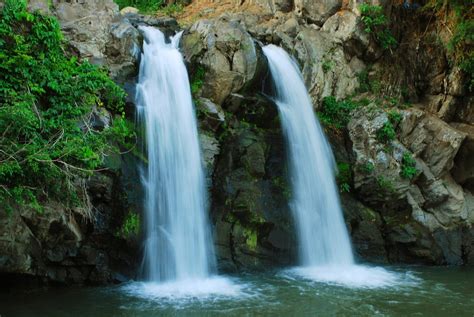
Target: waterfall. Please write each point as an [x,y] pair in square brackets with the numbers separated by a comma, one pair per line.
[321,232]
[178,245]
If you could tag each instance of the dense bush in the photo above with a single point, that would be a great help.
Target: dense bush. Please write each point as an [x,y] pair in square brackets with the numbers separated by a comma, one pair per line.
[408,168]
[46,98]
[334,113]
[151,6]
[376,23]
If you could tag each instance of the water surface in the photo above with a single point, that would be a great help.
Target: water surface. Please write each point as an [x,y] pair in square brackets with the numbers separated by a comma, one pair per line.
[417,291]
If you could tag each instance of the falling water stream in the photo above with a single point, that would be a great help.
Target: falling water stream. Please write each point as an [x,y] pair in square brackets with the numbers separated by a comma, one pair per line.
[178,245]
[324,245]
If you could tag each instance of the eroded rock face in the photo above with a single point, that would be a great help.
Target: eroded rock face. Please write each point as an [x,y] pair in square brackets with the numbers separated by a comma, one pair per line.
[423,215]
[65,246]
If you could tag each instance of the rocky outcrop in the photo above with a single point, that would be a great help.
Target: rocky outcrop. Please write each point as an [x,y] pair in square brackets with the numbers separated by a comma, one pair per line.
[69,246]
[423,215]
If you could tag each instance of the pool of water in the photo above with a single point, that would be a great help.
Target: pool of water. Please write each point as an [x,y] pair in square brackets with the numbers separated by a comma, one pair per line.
[393,291]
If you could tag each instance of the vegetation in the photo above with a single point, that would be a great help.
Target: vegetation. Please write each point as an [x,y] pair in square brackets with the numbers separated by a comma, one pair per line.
[130,226]
[327,65]
[386,133]
[376,23]
[334,113]
[408,168]
[47,144]
[197,80]
[344,177]
[385,184]
[151,6]
[461,44]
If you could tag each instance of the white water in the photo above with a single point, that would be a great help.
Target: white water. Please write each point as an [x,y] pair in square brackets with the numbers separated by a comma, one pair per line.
[315,203]
[324,247]
[178,246]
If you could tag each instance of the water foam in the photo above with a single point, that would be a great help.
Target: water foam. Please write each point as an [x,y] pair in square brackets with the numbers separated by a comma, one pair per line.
[212,288]
[354,276]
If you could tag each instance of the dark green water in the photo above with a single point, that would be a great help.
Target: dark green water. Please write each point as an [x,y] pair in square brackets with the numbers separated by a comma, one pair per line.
[416,292]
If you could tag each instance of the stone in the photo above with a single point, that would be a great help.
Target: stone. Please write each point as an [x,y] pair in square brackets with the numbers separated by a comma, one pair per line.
[212,115]
[39,5]
[129,10]
[317,11]
[463,170]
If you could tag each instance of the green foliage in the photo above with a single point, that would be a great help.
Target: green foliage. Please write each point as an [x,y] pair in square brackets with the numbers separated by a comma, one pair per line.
[376,23]
[197,80]
[146,6]
[408,168]
[461,44]
[172,9]
[327,65]
[130,226]
[462,48]
[336,114]
[385,184]
[386,133]
[368,167]
[251,238]
[46,99]
[344,177]
[395,117]
[152,6]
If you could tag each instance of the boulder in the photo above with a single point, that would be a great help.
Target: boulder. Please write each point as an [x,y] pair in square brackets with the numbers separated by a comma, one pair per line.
[317,11]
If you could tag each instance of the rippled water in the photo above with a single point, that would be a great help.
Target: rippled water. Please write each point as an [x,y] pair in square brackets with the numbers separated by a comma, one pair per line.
[416,291]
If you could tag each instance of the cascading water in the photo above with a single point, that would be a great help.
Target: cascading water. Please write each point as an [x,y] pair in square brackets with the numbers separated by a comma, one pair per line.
[325,249]
[315,205]
[178,245]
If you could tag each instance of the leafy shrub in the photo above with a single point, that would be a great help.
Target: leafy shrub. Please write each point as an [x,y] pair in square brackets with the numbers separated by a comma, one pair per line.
[395,117]
[46,98]
[386,133]
[376,23]
[142,5]
[152,6]
[408,168]
[344,177]
[130,226]
[335,113]
[197,80]
[327,66]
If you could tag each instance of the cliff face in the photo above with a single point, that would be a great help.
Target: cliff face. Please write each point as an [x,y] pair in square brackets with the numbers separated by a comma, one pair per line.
[410,198]
[407,199]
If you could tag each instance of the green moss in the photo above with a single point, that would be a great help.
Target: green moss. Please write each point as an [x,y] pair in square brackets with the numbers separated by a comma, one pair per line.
[251,238]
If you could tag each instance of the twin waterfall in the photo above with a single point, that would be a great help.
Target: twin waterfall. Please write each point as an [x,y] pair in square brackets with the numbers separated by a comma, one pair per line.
[322,234]
[178,243]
